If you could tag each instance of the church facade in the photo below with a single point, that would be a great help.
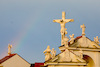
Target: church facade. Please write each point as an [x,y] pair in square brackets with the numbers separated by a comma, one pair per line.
[75,52]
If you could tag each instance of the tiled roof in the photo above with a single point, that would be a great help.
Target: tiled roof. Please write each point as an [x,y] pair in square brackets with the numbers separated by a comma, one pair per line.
[78,37]
[6,58]
[39,64]
[75,40]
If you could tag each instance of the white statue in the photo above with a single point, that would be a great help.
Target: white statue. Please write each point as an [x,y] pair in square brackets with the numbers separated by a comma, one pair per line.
[53,53]
[9,49]
[63,31]
[72,38]
[83,29]
[47,53]
[96,39]
[66,41]
[62,22]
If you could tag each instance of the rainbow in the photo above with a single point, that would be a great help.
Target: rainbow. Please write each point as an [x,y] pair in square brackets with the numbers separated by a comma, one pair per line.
[18,41]
[29,27]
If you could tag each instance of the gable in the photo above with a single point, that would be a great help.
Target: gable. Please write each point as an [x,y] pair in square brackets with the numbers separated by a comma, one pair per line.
[16,61]
[84,42]
[66,56]
[6,58]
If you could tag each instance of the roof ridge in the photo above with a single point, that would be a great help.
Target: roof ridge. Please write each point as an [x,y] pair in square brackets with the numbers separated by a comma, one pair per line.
[6,58]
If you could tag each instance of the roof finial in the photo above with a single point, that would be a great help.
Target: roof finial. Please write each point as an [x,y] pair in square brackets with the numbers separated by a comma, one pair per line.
[83,29]
[62,22]
[66,39]
[72,38]
[9,49]
[96,39]
[53,53]
[47,53]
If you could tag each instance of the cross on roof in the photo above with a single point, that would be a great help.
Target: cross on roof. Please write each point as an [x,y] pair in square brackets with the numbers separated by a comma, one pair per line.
[62,22]
[83,29]
[9,49]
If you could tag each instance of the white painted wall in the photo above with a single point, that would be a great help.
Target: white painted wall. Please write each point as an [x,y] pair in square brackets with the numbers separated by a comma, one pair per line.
[15,61]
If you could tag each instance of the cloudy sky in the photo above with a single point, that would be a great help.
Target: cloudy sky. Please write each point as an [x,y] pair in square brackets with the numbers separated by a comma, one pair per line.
[28,24]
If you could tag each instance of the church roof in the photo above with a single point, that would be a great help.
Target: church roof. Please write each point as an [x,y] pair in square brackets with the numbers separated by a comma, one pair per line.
[78,37]
[39,64]
[6,58]
[10,56]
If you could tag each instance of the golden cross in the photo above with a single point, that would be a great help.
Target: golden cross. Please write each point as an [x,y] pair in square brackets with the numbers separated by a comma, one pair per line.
[62,22]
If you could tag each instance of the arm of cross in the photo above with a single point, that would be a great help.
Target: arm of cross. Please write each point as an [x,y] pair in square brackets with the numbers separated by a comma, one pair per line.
[68,20]
[58,20]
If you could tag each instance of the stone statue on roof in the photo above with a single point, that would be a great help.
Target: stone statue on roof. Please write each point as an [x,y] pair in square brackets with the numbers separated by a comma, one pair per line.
[72,38]
[96,39]
[83,29]
[53,53]
[9,49]
[62,22]
[47,53]
[66,39]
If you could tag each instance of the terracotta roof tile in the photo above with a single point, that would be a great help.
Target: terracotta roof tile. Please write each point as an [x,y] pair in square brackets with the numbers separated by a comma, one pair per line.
[6,58]
[78,37]
[39,64]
